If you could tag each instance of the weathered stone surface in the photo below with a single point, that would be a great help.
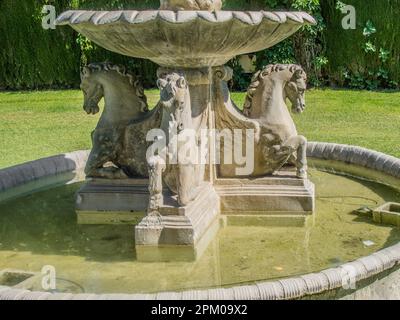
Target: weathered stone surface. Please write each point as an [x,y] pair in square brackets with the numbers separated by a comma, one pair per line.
[110,201]
[20,175]
[271,291]
[168,38]
[176,5]
[276,139]
[184,175]
[283,193]
[189,228]
[123,125]
[293,288]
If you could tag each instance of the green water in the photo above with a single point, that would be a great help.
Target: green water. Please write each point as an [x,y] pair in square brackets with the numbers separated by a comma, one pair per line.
[40,229]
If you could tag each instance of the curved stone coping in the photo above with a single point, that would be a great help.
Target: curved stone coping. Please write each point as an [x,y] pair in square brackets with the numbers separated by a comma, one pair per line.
[21,174]
[139,17]
[355,155]
[291,288]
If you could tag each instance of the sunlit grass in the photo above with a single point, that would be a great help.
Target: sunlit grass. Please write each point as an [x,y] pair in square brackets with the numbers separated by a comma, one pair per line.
[40,124]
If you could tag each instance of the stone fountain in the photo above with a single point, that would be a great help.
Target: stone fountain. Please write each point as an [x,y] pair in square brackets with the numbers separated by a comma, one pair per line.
[174,170]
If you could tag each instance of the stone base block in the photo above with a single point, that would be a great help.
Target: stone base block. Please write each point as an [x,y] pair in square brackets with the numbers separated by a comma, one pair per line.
[282,199]
[389,213]
[102,201]
[280,220]
[181,232]
[166,253]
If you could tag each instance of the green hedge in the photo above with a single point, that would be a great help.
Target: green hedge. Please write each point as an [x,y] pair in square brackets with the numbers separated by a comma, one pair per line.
[367,57]
[32,57]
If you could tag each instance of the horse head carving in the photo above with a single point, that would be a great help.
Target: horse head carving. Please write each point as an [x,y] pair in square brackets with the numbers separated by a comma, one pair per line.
[180,174]
[295,89]
[293,80]
[266,103]
[107,80]
[175,98]
[124,102]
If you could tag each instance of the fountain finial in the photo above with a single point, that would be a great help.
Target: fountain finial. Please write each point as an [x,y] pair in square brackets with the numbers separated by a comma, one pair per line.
[177,5]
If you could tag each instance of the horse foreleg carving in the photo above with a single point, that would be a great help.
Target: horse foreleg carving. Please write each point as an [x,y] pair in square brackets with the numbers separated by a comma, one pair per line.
[105,145]
[298,144]
[156,168]
[182,175]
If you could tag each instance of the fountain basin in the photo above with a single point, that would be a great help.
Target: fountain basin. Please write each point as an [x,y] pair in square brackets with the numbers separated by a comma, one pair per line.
[187,39]
[374,274]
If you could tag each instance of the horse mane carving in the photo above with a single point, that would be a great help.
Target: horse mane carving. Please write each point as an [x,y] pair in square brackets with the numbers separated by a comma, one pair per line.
[298,72]
[121,70]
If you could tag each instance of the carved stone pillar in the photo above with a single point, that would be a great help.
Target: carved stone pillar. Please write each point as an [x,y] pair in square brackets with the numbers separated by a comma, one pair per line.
[192,224]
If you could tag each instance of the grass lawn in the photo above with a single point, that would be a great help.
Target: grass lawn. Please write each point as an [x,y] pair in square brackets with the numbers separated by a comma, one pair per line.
[40,124]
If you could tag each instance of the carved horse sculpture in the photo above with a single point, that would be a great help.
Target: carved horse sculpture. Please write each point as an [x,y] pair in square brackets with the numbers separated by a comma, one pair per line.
[173,165]
[265,111]
[120,137]
[265,101]
[122,128]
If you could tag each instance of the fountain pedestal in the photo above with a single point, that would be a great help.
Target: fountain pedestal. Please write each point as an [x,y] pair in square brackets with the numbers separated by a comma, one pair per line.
[184,201]
[181,233]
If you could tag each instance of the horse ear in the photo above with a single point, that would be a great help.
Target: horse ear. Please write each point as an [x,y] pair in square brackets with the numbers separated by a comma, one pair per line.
[181,83]
[139,88]
[85,72]
[299,73]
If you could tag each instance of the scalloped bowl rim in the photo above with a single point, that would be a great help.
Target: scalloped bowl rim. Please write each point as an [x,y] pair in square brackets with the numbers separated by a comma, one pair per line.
[72,17]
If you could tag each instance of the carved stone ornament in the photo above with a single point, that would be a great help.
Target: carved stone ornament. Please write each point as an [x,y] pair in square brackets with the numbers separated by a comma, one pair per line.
[176,5]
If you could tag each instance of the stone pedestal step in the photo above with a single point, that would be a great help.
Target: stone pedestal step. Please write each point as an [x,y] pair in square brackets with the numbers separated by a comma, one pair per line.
[266,196]
[187,228]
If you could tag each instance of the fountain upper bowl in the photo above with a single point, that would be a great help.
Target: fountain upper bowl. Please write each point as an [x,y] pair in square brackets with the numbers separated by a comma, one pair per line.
[187,39]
